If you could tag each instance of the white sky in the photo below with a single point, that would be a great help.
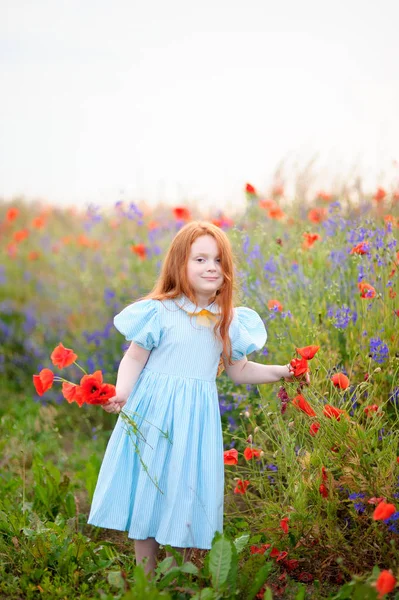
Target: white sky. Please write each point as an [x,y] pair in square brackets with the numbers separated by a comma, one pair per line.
[174,100]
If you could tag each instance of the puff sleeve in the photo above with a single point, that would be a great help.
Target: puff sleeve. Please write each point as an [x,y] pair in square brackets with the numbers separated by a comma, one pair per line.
[139,323]
[247,332]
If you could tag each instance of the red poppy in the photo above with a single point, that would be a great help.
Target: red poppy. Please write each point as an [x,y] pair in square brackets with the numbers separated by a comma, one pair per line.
[314,428]
[181,213]
[140,250]
[20,235]
[324,196]
[241,486]
[340,380]
[268,204]
[323,490]
[317,215]
[306,577]
[276,213]
[291,564]
[310,239]
[278,190]
[333,412]
[230,457]
[274,552]
[72,393]
[274,305]
[39,222]
[107,391]
[299,366]
[324,475]
[383,511]
[380,194]
[362,248]
[308,352]
[43,381]
[250,453]
[282,555]
[284,524]
[153,225]
[249,189]
[12,214]
[259,549]
[385,583]
[94,391]
[366,290]
[392,293]
[63,357]
[300,402]
[372,408]
[33,255]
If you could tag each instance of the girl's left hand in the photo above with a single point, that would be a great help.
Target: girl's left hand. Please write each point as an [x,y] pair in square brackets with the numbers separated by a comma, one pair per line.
[291,377]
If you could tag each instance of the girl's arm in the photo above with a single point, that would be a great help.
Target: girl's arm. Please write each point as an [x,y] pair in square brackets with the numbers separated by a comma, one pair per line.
[129,370]
[244,371]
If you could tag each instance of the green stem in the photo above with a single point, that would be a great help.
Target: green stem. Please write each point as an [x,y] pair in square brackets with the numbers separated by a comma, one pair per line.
[81,368]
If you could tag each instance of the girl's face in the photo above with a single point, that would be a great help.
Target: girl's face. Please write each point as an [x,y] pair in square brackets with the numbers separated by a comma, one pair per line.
[204,270]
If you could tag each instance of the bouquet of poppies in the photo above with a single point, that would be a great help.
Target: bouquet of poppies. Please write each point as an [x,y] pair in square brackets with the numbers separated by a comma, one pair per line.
[90,390]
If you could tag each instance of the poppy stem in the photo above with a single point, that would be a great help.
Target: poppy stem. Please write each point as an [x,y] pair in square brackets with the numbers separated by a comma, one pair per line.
[79,367]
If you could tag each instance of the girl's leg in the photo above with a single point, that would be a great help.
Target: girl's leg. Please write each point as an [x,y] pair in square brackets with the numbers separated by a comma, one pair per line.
[146,550]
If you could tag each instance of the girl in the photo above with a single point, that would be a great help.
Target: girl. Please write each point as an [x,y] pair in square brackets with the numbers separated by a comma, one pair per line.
[180,334]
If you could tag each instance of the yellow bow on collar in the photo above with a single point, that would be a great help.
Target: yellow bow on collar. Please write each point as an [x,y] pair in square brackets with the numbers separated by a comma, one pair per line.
[205,317]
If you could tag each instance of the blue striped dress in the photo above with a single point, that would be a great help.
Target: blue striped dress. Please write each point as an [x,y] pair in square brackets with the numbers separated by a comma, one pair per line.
[177,497]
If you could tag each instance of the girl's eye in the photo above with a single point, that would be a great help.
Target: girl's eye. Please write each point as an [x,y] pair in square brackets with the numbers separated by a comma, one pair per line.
[200,259]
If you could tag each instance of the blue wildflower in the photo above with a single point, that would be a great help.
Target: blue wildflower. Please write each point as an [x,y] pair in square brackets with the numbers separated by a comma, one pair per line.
[379,350]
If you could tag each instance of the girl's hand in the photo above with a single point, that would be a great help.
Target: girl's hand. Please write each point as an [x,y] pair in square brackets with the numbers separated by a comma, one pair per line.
[114,404]
[291,377]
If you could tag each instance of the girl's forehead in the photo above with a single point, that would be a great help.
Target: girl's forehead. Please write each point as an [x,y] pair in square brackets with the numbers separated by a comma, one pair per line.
[205,243]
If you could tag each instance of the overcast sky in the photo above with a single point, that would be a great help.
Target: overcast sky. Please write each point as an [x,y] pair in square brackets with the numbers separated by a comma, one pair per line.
[168,100]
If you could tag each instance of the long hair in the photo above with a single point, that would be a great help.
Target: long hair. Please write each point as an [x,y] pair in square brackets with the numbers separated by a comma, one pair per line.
[173,281]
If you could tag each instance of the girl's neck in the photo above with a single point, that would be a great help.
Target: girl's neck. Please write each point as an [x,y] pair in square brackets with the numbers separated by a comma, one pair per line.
[204,301]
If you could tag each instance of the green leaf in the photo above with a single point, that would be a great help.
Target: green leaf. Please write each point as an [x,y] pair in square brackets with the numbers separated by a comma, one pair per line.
[220,561]
[268,594]
[205,594]
[259,580]
[189,568]
[170,575]
[163,566]
[241,542]
[115,579]
[301,593]
[364,592]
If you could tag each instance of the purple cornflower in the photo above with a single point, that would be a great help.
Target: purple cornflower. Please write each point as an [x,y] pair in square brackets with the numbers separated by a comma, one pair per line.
[391,522]
[379,350]
[356,495]
[271,467]
[342,316]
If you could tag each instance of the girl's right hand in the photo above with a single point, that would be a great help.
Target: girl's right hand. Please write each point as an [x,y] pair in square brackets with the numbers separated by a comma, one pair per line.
[114,404]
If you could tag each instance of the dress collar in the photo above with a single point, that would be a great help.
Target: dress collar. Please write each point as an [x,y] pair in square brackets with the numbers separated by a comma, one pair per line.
[188,306]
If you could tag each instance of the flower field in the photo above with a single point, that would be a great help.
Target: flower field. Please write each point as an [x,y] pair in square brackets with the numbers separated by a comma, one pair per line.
[312,471]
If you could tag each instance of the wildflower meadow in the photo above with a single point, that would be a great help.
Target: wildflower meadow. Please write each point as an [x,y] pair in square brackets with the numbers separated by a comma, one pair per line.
[311,471]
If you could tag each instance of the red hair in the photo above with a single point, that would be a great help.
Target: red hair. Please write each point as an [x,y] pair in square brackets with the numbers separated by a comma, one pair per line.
[173,281]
